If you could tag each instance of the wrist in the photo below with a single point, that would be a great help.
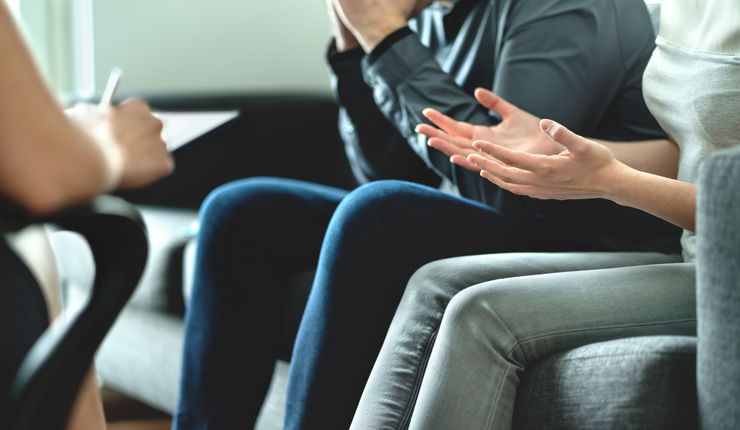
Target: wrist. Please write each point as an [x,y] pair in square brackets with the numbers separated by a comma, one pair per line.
[371,37]
[113,156]
[95,122]
[617,182]
[345,43]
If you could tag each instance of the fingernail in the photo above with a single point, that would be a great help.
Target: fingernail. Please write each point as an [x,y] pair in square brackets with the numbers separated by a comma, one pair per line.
[548,126]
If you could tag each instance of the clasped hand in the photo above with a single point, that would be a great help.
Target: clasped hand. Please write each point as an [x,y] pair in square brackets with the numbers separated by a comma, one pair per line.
[368,22]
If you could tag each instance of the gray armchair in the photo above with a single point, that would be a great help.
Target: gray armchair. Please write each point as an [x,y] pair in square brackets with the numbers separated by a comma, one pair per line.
[664,382]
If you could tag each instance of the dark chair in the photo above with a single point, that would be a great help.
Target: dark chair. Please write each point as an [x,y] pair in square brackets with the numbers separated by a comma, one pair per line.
[46,385]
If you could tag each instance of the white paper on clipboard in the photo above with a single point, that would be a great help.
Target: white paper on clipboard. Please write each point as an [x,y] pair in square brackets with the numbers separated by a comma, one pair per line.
[181,128]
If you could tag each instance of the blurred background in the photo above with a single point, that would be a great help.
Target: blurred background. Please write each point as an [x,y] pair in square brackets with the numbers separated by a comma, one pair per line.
[178,46]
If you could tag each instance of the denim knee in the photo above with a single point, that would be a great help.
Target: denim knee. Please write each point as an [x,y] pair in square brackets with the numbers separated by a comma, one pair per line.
[432,283]
[226,200]
[381,204]
[472,316]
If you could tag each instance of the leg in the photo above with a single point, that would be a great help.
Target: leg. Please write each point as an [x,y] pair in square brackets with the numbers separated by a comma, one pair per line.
[491,332]
[390,393]
[23,318]
[33,247]
[253,235]
[380,234]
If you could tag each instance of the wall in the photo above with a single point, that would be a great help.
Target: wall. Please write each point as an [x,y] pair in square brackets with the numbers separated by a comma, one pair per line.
[197,46]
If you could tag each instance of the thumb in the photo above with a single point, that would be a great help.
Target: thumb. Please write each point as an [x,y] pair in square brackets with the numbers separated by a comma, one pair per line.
[560,134]
[493,102]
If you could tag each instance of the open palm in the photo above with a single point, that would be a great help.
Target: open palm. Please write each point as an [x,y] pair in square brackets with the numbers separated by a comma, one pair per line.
[518,130]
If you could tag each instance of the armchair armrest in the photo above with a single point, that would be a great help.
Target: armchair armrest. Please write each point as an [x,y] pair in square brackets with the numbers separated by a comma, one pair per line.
[46,385]
[718,291]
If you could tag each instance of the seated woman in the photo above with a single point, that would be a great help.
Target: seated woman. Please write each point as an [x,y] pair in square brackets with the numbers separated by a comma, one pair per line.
[48,162]
[480,321]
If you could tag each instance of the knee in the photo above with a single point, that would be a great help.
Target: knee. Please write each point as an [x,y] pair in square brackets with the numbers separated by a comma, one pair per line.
[435,281]
[474,313]
[227,198]
[385,203]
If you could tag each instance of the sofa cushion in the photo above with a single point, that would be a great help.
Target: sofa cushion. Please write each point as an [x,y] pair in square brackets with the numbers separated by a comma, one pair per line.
[636,383]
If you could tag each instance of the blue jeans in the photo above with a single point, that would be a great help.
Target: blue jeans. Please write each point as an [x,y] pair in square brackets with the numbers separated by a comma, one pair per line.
[257,231]
[253,234]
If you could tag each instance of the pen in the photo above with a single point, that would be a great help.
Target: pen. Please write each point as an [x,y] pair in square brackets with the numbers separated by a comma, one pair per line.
[110,88]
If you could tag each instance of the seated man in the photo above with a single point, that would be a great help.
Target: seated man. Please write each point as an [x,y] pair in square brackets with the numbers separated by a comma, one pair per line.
[579,62]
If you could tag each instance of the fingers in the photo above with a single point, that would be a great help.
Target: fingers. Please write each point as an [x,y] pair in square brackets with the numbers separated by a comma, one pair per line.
[431,133]
[576,144]
[519,159]
[463,162]
[449,148]
[457,154]
[494,103]
[449,125]
[508,174]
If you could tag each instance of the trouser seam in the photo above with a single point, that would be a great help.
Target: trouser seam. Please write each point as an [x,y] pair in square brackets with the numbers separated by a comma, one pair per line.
[520,343]
[492,407]
[406,419]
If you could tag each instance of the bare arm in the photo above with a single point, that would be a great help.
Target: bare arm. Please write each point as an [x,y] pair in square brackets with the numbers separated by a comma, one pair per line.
[659,157]
[666,198]
[46,161]
[586,169]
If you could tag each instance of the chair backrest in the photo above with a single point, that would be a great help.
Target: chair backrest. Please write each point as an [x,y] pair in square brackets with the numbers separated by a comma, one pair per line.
[718,291]
[46,385]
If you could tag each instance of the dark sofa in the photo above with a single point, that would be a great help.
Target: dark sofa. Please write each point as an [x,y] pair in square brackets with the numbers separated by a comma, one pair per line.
[642,383]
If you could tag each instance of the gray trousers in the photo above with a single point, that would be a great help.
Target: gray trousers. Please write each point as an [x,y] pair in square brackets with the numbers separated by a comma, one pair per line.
[467,327]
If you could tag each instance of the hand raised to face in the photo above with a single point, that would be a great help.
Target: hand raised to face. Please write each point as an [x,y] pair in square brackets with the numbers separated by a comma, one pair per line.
[343,37]
[518,130]
[371,21]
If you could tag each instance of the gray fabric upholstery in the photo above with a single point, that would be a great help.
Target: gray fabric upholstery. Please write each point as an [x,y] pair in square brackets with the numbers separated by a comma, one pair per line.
[718,295]
[636,383]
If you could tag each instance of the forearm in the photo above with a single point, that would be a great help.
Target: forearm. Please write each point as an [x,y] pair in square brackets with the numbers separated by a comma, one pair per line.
[669,199]
[659,157]
[45,161]
[374,147]
[407,79]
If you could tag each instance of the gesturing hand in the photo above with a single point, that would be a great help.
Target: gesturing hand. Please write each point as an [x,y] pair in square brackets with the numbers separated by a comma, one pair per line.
[585,169]
[518,130]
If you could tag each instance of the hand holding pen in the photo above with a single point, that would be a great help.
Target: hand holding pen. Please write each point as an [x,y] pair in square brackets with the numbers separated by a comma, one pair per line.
[128,135]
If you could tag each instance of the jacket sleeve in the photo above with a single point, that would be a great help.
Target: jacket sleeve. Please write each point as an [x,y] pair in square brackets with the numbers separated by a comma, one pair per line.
[375,149]
[554,59]
[406,79]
